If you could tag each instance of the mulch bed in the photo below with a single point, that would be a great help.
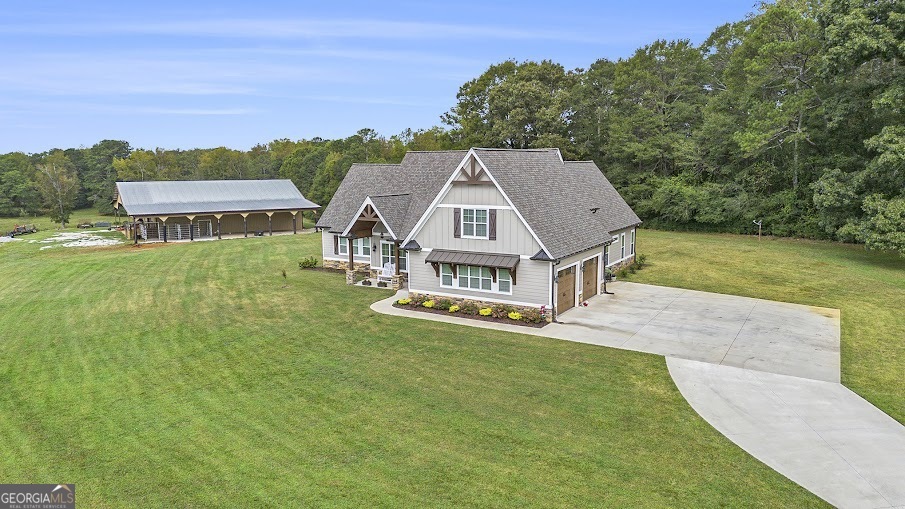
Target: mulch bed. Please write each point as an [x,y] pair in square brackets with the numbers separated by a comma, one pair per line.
[473,317]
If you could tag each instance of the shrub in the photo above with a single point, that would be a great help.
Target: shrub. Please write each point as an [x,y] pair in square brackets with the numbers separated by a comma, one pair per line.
[641,260]
[622,273]
[454,308]
[632,269]
[469,308]
[443,304]
[501,311]
[514,315]
[531,315]
[428,304]
[404,302]
[308,262]
[485,312]
[417,300]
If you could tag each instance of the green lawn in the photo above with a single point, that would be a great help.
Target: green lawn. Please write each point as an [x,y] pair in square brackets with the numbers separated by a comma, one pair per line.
[868,287]
[193,375]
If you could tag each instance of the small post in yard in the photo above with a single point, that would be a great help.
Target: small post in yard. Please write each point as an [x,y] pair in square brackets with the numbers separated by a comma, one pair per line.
[759,226]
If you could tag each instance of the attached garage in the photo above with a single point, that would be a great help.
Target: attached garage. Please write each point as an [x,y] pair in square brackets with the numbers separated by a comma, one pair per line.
[589,278]
[189,210]
[565,294]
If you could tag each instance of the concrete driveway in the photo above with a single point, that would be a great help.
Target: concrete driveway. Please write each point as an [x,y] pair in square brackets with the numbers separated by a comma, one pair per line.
[763,373]
[764,335]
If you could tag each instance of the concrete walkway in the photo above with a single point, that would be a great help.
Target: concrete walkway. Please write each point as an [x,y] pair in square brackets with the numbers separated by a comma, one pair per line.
[763,373]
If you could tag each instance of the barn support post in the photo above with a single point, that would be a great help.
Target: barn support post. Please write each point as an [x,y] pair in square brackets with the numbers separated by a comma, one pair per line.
[163,221]
[134,232]
[294,226]
[245,223]
[270,223]
[191,227]
[218,216]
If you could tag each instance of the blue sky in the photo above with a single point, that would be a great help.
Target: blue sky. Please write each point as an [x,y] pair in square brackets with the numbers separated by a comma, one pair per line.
[205,74]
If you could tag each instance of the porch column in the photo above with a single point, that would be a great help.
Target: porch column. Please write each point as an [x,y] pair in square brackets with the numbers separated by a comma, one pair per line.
[270,223]
[191,228]
[351,256]
[396,245]
[218,216]
[245,223]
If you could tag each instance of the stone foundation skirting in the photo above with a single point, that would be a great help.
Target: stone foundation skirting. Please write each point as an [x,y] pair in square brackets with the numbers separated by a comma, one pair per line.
[360,269]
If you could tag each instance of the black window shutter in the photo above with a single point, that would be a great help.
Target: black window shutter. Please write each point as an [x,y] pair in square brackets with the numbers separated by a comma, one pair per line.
[457,223]
[492,227]
[336,244]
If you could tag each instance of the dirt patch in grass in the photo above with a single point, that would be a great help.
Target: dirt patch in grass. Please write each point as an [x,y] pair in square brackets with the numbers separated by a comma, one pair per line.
[473,317]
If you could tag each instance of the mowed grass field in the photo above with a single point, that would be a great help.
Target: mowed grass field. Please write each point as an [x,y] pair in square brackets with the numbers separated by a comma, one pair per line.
[195,375]
[868,287]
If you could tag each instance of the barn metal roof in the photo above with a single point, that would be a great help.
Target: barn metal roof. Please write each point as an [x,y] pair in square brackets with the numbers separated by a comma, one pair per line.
[210,196]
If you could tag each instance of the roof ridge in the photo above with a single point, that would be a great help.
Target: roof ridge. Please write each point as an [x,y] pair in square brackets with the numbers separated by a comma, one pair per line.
[551,149]
[436,151]
[389,195]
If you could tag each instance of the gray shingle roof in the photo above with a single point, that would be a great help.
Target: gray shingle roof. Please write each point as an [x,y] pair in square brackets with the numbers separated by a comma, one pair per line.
[209,196]
[421,175]
[393,208]
[556,198]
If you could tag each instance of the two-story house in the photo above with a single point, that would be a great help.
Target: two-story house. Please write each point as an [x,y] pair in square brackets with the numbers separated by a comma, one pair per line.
[520,227]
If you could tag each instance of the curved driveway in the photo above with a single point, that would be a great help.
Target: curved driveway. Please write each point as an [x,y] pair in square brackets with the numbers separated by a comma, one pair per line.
[763,373]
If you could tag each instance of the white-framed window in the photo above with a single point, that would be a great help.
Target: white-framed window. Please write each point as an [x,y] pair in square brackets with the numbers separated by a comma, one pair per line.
[632,251]
[474,223]
[342,245]
[504,281]
[361,246]
[388,255]
[475,278]
[622,247]
[446,276]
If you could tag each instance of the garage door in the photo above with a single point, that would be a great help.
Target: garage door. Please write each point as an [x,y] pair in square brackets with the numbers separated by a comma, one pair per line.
[589,279]
[565,297]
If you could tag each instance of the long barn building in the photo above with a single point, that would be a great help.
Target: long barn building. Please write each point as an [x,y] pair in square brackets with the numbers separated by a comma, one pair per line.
[198,209]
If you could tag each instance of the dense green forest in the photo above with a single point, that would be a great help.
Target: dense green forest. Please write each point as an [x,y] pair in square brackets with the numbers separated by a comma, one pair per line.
[793,116]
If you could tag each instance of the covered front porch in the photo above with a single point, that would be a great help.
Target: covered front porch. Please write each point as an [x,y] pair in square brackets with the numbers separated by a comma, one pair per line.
[388,261]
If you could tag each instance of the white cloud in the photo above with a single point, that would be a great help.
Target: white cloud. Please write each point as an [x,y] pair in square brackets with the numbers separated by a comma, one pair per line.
[301,28]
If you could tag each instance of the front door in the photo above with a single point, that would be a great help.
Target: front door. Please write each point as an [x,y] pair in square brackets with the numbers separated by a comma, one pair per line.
[589,278]
[565,296]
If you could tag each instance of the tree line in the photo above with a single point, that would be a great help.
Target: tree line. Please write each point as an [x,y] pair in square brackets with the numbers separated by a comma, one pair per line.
[792,116]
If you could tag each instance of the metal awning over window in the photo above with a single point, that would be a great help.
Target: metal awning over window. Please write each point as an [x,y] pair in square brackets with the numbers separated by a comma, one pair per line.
[493,260]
